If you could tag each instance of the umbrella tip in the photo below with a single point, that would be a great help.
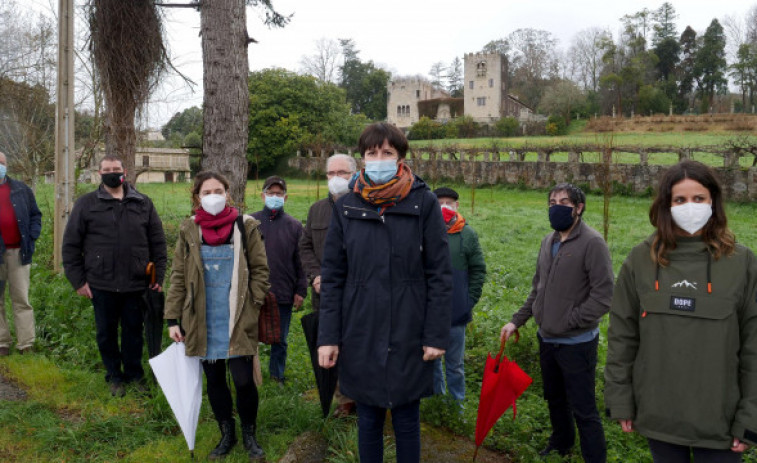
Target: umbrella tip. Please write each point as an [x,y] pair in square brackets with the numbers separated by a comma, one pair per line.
[192,454]
[475,452]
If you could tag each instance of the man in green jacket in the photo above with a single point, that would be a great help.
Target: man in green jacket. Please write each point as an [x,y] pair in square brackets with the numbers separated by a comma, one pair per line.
[571,291]
[468,276]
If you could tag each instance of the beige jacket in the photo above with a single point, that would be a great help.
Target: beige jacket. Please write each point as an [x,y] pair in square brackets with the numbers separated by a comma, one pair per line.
[249,285]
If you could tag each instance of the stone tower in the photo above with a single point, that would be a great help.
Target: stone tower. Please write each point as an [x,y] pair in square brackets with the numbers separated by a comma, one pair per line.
[485,91]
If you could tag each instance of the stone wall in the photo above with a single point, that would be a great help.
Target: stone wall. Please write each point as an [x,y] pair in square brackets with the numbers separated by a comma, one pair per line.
[738,183]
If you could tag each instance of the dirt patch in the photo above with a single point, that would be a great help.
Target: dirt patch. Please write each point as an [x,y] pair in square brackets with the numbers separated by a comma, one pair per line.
[9,391]
[441,446]
[309,447]
[437,446]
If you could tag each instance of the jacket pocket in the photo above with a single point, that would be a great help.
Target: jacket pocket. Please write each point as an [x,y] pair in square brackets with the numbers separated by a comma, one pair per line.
[139,259]
[708,307]
[98,263]
[555,315]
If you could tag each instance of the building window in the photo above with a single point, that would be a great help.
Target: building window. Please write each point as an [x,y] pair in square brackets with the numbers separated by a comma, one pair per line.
[417,93]
[399,110]
[145,161]
[481,68]
[491,83]
[481,101]
[470,85]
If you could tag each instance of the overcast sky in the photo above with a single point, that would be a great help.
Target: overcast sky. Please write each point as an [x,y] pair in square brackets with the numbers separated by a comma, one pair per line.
[403,36]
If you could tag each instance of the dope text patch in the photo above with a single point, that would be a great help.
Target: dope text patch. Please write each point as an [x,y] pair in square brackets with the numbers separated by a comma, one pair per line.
[682,303]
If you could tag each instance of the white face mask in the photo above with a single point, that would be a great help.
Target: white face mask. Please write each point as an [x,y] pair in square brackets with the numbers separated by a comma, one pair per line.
[691,216]
[338,185]
[213,204]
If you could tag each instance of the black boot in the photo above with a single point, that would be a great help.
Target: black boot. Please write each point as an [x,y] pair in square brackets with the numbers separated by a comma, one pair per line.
[227,442]
[250,443]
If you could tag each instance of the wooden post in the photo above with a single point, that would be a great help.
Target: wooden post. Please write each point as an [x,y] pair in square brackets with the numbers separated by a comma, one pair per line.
[64,128]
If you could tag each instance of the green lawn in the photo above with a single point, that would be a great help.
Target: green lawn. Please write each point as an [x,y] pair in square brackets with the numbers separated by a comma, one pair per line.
[70,416]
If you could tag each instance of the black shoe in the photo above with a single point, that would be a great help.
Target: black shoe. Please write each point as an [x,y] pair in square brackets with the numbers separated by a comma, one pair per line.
[227,442]
[117,389]
[251,444]
[550,448]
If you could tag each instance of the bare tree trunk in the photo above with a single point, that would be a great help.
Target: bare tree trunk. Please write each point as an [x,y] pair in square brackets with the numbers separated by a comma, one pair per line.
[121,140]
[224,56]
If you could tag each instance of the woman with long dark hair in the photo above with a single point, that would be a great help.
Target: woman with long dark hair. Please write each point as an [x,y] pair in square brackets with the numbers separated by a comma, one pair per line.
[218,283]
[682,344]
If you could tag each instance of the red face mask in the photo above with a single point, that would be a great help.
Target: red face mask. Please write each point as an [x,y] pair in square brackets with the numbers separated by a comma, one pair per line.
[448,214]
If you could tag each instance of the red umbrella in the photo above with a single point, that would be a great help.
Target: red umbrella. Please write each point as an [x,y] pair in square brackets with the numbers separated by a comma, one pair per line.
[503,382]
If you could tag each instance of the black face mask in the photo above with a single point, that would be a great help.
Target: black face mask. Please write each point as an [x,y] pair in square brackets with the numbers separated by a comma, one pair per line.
[113,179]
[560,217]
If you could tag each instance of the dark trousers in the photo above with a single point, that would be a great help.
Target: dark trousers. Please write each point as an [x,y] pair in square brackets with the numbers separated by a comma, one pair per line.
[663,452]
[219,394]
[568,372]
[406,421]
[278,360]
[112,309]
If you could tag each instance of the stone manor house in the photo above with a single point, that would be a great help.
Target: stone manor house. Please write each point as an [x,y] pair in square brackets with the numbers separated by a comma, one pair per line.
[485,96]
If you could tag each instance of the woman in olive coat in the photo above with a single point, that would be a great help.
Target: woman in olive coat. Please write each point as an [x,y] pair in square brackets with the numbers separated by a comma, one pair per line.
[218,283]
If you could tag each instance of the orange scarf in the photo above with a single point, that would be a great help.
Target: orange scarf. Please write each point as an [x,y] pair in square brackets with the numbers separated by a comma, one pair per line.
[457,224]
[389,193]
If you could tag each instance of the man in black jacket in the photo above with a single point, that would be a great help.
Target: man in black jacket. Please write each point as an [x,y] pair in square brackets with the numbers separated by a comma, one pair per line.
[112,234]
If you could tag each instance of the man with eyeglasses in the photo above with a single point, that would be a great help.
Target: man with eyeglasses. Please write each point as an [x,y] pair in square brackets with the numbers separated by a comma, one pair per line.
[281,234]
[339,170]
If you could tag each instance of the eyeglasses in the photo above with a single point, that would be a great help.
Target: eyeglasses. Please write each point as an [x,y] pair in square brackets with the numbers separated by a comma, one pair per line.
[340,173]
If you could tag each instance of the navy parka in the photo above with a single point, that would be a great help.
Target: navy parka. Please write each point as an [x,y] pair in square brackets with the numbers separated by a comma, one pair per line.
[386,291]
[29,219]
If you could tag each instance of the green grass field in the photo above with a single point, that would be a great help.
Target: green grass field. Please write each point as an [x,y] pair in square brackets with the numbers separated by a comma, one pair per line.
[70,416]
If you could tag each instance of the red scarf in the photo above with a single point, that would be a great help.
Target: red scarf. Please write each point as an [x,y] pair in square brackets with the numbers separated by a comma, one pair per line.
[216,228]
[455,224]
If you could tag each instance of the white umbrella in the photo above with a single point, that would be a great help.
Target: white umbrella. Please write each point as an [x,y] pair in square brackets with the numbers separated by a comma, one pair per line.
[180,378]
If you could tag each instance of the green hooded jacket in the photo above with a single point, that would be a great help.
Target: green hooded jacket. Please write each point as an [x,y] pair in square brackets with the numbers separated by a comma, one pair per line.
[682,360]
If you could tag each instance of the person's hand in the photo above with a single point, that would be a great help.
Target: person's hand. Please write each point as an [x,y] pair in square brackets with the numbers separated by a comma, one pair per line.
[327,356]
[297,302]
[507,331]
[156,287]
[626,425]
[174,332]
[431,353]
[85,291]
[738,446]
[317,284]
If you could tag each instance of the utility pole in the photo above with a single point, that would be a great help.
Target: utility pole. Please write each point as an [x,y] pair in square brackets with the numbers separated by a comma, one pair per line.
[64,127]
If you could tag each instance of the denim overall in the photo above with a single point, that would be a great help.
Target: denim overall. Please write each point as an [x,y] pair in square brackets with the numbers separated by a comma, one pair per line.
[218,265]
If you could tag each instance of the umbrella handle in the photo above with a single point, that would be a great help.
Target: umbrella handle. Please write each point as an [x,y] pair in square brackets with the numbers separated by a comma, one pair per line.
[150,272]
[502,345]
